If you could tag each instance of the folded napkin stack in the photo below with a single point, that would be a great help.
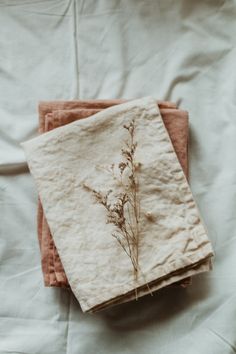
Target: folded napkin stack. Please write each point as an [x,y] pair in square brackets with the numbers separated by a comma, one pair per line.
[116,217]
[58,113]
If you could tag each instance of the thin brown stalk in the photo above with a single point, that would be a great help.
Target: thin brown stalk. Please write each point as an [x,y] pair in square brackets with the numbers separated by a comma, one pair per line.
[124,212]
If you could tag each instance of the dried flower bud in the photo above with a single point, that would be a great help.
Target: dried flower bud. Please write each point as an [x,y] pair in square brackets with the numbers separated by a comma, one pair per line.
[137,166]
[150,216]
[122,166]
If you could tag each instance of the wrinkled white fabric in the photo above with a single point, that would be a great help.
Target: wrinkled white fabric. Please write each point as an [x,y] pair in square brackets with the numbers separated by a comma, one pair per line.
[181,50]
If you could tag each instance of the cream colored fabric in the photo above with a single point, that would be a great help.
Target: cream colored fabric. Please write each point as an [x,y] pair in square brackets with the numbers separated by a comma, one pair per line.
[98,270]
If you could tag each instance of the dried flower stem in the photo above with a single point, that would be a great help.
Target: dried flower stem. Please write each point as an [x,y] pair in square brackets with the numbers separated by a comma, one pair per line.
[124,213]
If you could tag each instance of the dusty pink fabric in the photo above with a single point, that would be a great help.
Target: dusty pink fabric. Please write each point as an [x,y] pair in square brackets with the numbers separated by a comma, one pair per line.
[58,113]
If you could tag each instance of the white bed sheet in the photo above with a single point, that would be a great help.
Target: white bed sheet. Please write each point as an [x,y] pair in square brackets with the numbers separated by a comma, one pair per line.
[183,51]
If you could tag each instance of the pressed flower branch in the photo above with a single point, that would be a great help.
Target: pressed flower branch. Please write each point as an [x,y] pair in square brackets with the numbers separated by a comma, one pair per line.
[124,209]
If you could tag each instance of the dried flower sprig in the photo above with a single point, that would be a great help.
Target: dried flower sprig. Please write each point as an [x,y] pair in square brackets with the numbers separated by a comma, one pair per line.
[124,212]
